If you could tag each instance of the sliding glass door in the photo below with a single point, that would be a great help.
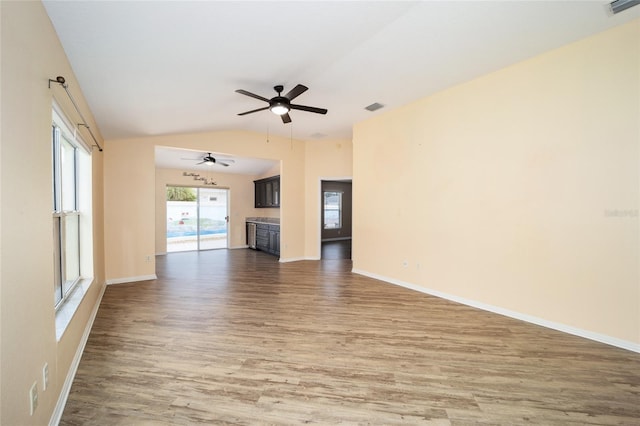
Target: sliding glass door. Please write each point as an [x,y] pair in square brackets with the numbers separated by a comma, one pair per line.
[213,218]
[197,218]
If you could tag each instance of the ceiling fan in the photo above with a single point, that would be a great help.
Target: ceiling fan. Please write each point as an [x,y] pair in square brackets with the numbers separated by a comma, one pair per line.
[210,160]
[281,105]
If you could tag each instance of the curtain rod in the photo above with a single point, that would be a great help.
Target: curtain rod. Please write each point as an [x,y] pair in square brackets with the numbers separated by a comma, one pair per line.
[61,81]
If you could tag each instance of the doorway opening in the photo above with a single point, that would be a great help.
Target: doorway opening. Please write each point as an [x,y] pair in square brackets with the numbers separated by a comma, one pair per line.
[335,219]
[197,218]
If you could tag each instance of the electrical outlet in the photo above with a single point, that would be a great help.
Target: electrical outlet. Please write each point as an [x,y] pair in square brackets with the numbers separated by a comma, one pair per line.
[33,398]
[45,377]
[147,258]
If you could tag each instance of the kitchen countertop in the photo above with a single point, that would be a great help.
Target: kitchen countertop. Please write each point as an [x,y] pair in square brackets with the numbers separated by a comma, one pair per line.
[264,220]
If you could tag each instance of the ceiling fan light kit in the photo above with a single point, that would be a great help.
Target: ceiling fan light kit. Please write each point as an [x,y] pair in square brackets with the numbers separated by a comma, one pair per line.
[279,109]
[281,105]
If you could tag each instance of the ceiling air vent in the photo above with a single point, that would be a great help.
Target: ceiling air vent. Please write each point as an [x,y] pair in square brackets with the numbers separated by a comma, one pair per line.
[374,107]
[620,5]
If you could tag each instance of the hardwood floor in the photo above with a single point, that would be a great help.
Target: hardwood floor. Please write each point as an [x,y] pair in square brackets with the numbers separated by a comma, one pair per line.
[333,250]
[234,337]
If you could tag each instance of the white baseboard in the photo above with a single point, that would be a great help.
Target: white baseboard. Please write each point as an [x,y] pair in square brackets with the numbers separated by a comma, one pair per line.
[132,279]
[73,368]
[602,338]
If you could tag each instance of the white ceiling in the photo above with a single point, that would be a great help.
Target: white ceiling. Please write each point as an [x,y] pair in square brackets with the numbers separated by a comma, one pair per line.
[152,67]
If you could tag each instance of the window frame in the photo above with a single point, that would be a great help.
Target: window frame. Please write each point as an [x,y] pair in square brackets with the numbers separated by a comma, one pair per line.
[339,209]
[63,209]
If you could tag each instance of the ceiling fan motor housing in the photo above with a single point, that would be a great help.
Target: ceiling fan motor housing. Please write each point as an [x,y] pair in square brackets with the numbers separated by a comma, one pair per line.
[279,100]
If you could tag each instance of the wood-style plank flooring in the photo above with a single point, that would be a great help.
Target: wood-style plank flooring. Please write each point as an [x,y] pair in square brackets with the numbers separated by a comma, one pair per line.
[234,337]
[334,250]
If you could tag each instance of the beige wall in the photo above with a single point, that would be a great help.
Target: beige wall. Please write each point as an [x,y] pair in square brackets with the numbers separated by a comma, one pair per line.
[241,201]
[130,179]
[31,54]
[325,160]
[503,190]
[129,217]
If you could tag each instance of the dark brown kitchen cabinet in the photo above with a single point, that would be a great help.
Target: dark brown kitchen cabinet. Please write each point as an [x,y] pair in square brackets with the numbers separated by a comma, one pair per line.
[274,240]
[268,238]
[267,192]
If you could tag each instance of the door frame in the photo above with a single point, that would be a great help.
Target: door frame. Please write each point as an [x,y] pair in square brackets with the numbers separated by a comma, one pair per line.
[226,215]
[318,196]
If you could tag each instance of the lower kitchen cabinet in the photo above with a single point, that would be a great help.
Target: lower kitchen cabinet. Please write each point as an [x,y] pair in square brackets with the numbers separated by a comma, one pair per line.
[262,237]
[268,238]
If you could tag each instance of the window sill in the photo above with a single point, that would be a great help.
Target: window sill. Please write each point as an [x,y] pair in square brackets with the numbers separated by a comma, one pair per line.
[67,310]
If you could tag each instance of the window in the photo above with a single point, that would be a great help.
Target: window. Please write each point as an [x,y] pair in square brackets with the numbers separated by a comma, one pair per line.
[332,210]
[72,235]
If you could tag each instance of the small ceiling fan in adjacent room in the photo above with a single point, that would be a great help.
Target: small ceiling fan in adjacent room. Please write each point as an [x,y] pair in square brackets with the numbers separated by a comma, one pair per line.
[209,160]
[281,105]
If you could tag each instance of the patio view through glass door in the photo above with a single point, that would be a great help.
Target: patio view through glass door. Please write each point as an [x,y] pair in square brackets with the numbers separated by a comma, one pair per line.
[197,218]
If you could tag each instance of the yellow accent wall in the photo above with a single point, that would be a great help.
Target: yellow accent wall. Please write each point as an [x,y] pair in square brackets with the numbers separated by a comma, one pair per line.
[517,190]
[31,55]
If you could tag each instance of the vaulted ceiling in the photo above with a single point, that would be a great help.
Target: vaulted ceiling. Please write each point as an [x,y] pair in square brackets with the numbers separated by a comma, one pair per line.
[152,67]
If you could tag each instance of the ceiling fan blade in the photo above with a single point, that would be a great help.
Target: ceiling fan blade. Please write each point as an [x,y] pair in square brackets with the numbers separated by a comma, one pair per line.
[285,118]
[253,95]
[200,162]
[227,160]
[222,163]
[309,109]
[254,110]
[296,91]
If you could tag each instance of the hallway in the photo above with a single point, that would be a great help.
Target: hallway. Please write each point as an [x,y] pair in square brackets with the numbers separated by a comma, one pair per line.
[336,250]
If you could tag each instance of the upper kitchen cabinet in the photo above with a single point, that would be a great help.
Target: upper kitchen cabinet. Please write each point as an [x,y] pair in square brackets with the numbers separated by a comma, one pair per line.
[267,192]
